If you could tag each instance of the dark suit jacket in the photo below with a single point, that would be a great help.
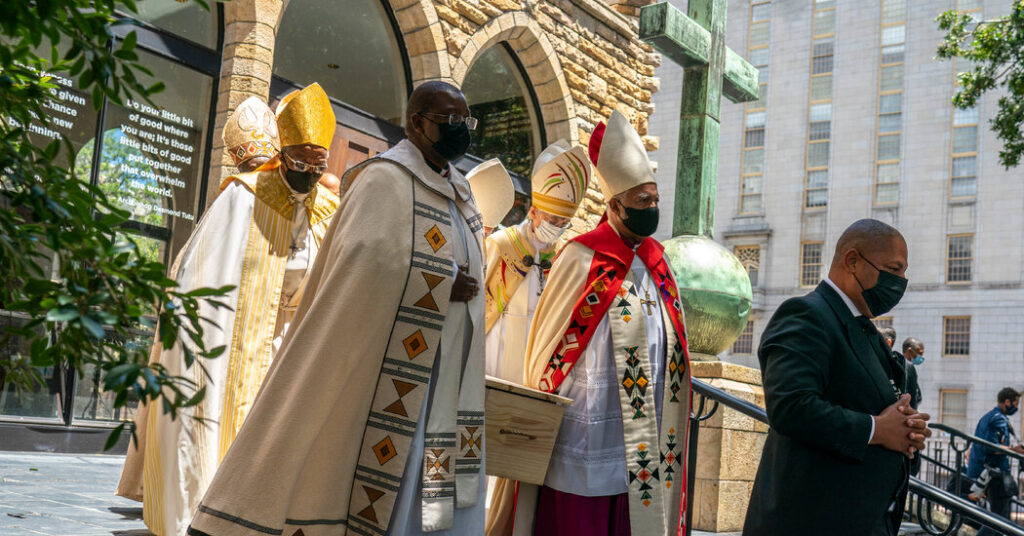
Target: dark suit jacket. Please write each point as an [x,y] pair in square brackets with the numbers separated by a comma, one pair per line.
[823,380]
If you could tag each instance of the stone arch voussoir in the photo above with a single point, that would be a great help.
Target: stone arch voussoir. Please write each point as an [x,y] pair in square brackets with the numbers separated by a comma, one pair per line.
[538,57]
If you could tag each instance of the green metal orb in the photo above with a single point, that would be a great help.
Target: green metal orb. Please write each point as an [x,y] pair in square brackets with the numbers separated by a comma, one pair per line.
[715,290]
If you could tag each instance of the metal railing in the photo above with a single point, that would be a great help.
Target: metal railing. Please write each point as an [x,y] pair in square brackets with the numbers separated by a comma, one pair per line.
[939,512]
[945,457]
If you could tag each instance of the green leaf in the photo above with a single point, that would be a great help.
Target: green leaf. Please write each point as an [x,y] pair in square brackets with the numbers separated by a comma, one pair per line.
[114,436]
[129,41]
[62,314]
[196,398]
[93,327]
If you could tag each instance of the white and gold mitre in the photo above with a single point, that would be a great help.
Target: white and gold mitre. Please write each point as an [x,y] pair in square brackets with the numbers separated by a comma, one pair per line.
[560,178]
[306,116]
[621,160]
[493,191]
[251,131]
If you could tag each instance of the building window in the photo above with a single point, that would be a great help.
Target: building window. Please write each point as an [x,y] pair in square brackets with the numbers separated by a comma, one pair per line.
[750,257]
[744,345]
[364,68]
[500,98]
[810,263]
[882,321]
[752,166]
[963,178]
[890,102]
[819,130]
[956,336]
[959,257]
[953,408]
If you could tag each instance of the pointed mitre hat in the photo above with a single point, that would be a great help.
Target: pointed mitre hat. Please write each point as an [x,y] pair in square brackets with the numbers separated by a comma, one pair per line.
[560,178]
[493,191]
[620,157]
[306,116]
[251,131]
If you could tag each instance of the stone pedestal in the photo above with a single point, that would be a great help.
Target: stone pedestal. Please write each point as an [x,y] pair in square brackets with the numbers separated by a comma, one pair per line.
[728,449]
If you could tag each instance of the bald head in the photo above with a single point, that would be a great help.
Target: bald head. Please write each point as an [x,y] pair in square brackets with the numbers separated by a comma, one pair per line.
[866,236]
[426,119]
[912,344]
[429,96]
[864,250]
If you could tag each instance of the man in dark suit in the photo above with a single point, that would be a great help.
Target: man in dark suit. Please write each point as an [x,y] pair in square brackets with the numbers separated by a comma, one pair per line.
[842,432]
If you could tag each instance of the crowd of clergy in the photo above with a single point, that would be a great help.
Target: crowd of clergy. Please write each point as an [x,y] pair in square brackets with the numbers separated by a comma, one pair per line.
[366,312]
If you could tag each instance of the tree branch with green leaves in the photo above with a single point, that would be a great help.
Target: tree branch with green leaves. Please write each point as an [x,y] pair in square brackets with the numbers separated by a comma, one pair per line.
[995,50]
[70,270]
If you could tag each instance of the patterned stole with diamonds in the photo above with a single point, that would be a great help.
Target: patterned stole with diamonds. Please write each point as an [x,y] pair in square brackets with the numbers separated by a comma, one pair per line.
[652,458]
[405,373]
[652,464]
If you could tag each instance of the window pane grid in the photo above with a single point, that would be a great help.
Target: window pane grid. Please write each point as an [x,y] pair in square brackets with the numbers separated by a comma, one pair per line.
[810,264]
[744,345]
[959,258]
[819,117]
[750,258]
[892,36]
[956,336]
[750,204]
[752,166]
[953,408]
[963,180]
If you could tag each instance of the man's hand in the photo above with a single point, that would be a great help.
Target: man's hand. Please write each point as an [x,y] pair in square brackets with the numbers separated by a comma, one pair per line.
[464,288]
[901,428]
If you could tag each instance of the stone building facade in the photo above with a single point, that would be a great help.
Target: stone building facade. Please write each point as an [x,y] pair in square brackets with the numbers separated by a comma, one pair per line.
[581,59]
[856,121]
[534,71]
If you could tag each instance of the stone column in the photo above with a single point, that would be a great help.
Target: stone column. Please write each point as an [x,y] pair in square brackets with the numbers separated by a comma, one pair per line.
[728,449]
[250,31]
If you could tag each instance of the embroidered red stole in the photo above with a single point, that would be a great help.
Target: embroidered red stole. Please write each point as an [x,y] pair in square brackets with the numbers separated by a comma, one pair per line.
[612,259]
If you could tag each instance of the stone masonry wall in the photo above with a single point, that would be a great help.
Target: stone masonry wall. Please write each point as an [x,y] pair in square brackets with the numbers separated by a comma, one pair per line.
[582,57]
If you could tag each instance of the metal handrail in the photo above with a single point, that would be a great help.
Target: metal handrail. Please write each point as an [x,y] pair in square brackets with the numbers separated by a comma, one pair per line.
[974,439]
[928,496]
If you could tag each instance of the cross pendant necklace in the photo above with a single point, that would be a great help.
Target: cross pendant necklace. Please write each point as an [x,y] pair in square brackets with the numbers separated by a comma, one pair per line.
[648,302]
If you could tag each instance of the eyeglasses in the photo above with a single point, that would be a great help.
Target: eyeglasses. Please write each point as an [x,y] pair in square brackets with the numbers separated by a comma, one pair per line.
[454,119]
[303,167]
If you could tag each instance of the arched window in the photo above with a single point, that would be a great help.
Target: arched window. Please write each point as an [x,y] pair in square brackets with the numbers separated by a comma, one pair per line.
[351,51]
[500,97]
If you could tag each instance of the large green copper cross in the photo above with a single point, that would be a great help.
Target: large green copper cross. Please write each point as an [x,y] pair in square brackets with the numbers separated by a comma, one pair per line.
[697,43]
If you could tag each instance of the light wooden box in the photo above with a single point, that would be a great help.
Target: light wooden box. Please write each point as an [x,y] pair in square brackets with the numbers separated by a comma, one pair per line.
[522,425]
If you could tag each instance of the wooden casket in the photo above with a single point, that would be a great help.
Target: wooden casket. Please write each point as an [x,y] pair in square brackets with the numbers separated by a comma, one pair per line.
[522,425]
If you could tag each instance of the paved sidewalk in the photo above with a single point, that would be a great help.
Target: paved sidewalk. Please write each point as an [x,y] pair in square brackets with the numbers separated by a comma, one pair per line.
[73,495]
[65,495]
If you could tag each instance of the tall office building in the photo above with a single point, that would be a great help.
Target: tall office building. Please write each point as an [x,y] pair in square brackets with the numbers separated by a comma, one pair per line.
[855,121]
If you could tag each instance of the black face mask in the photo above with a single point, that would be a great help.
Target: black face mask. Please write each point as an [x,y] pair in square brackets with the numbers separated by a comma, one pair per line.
[454,140]
[301,182]
[641,221]
[888,292]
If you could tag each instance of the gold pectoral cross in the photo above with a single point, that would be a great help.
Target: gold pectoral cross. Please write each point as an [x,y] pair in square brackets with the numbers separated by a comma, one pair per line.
[648,302]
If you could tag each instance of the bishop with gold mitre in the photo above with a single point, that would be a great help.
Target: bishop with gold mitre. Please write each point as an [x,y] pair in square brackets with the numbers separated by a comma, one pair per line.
[261,236]
[251,139]
[608,333]
[519,257]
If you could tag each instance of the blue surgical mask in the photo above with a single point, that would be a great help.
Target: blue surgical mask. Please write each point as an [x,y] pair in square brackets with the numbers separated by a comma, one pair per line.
[1010,410]
[918,359]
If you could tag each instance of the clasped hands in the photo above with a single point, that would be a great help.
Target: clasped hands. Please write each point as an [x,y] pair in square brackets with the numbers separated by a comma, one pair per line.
[901,428]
